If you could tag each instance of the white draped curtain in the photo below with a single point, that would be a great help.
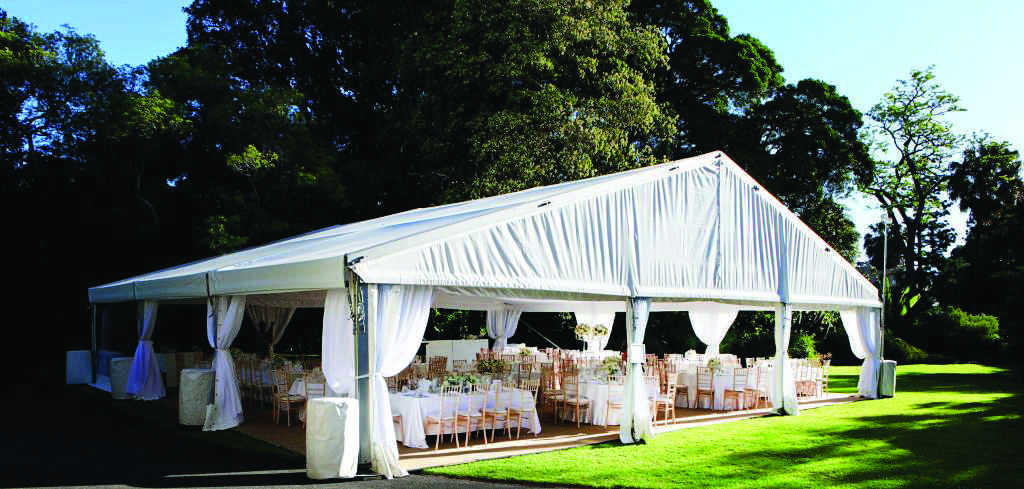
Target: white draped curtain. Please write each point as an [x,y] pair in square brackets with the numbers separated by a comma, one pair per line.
[338,343]
[502,324]
[593,317]
[863,328]
[144,379]
[397,316]
[223,320]
[711,320]
[636,417]
[274,321]
[783,390]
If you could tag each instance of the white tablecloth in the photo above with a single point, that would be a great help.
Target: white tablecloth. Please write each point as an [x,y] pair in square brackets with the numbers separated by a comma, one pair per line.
[597,393]
[79,367]
[414,411]
[194,394]
[120,367]
[332,437]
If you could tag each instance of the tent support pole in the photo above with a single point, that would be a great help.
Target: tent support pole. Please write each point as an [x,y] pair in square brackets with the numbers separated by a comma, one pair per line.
[362,356]
[95,352]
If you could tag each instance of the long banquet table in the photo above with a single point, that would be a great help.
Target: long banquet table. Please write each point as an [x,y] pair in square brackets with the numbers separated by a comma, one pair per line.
[414,411]
[723,380]
[597,392]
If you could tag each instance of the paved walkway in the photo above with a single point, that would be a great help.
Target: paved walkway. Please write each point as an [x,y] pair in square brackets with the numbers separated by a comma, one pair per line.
[76,436]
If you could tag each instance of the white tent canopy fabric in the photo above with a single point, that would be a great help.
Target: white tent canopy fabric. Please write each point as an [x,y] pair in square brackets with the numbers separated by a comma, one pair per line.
[274,321]
[224,319]
[502,323]
[710,321]
[862,328]
[681,235]
[692,229]
[144,379]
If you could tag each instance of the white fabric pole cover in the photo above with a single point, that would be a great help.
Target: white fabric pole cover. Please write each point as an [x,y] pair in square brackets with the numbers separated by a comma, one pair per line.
[863,328]
[144,379]
[224,319]
[636,412]
[783,389]
[711,320]
[397,316]
[275,320]
[502,324]
[338,343]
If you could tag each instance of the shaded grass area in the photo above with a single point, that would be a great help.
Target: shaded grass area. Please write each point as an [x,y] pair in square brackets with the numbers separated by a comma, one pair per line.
[948,426]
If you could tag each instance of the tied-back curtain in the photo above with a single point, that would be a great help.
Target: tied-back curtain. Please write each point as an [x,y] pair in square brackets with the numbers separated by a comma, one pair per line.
[338,343]
[502,324]
[274,319]
[605,319]
[862,327]
[144,379]
[636,417]
[223,320]
[397,317]
[783,389]
[711,320]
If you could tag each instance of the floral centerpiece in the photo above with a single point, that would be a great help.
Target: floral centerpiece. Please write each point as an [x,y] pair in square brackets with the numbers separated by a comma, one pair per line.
[460,380]
[592,335]
[494,366]
[524,352]
[612,365]
[715,364]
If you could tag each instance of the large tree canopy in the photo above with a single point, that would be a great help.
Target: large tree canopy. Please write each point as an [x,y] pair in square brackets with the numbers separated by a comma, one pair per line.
[283,116]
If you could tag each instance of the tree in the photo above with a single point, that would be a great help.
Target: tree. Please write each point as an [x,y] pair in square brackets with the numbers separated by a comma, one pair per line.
[431,102]
[799,140]
[712,77]
[987,182]
[986,273]
[910,124]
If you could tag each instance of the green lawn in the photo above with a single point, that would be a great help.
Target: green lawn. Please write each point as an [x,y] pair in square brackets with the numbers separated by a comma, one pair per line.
[948,426]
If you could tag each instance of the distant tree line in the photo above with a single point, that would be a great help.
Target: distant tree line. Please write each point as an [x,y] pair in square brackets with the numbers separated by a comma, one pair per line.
[282,117]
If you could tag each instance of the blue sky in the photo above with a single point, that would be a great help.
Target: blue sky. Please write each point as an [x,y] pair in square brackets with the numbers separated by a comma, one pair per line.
[860,46]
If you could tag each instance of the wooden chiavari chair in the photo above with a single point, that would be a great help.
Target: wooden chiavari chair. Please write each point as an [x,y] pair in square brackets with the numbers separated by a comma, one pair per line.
[705,386]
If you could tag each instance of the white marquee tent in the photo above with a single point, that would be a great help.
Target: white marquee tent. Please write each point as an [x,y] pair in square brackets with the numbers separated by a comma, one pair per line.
[698,235]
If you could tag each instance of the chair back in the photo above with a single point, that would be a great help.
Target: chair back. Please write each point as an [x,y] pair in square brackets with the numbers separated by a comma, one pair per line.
[528,389]
[437,367]
[739,378]
[570,384]
[704,378]
[525,371]
[763,376]
[449,400]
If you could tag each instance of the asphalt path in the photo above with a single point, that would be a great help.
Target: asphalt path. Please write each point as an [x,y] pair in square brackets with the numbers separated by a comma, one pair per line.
[56,435]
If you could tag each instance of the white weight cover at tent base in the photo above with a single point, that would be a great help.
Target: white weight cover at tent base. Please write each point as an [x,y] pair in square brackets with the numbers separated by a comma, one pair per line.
[692,234]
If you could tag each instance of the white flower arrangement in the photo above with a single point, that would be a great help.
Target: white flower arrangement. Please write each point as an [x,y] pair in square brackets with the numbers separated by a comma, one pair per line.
[583,330]
[599,330]
[715,364]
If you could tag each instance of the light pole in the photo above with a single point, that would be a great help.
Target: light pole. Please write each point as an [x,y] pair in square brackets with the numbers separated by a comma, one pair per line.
[881,325]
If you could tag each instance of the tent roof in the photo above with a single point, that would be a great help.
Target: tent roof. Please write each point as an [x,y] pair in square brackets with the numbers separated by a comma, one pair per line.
[692,229]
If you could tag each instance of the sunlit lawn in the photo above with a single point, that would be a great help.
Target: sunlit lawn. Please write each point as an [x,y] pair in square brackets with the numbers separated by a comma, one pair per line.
[948,426]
